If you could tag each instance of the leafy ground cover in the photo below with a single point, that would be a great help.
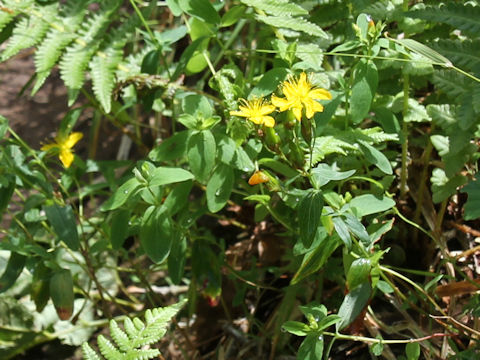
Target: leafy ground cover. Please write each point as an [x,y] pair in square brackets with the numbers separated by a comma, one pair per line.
[264,179]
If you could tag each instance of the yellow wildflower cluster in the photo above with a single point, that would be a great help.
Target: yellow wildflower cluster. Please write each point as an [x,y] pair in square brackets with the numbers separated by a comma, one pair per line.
[299,94]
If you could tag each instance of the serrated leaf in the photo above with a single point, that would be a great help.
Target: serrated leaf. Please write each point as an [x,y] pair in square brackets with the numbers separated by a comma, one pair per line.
[296,24]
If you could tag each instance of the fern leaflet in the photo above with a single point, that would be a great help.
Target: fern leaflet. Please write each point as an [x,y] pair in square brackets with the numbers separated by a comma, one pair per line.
[296,24]
[29,31]
[464,17]
[276,7]
[450,82]
[465,54]
[104,64]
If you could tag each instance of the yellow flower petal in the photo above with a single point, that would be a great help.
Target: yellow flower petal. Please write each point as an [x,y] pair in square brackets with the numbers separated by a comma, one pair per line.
[72,139]
[66,157]
[320,94]
[297,111]
[47,147]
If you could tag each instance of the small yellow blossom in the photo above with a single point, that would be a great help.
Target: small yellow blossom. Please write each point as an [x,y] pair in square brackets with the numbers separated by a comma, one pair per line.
[64,145]
[301,94]
[256,111]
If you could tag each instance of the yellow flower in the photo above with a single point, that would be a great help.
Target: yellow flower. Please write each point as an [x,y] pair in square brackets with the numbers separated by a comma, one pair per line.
[64,145]
[256,111]
[301,94]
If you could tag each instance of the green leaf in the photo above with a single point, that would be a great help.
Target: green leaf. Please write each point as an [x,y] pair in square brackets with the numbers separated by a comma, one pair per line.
[3,127]
[311,348]
[63,222]
[61,292]
[412,350]
[156,234]
[377,349]
[177,258]
[325,173]
[119,228]
[178,197]
[269,82]
[6,193]
[442,186]
[234,14]
[316,258]
[363,90]
[296,328]
[353,304]
[358,273]
[201,154]
[328,321]
[172,148]
[242,161]
[200,9]
[219,187]
[424,50]
[16,263]
[384,287]
[472,206]
[122,194]
[342,230]
[375,157]
[370,204]
[168,175]
[197,105]
[187,54]
[357,228]
[309,211]
[278,166]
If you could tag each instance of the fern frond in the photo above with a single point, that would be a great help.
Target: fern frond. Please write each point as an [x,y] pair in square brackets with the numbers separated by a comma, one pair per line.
[119,336]
[377,136]
[130,328]
[104,64]
[50,50]
[464,54]
[89,353]
[326,145]
[108,350]
[476,97]
[276,7]
[77,57]
[137,335]
[296,24]
[30,30]
[451,83]
[5,19]
[382,10]
[464,17]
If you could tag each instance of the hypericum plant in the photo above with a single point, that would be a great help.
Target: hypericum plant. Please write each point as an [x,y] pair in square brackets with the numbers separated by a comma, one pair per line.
[133,343]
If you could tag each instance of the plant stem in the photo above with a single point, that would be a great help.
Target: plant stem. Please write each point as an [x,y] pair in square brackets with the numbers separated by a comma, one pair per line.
[403,173]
